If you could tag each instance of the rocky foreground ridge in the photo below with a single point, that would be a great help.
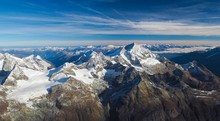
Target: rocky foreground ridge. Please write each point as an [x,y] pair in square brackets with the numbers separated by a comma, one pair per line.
[129,84]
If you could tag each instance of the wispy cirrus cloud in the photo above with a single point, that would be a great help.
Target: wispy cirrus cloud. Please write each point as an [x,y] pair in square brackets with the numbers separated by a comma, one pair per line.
[72,23]
[84,24]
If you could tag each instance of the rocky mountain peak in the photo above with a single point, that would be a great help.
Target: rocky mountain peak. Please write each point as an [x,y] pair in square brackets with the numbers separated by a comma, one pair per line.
[131,46]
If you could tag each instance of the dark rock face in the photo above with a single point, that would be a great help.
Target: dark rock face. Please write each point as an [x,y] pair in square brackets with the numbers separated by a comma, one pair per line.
[3,106]
[170,96]
[203,78]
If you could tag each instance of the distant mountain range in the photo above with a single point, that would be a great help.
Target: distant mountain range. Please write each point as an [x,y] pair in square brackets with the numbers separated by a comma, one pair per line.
[60,55]
[209,58]
[111,83]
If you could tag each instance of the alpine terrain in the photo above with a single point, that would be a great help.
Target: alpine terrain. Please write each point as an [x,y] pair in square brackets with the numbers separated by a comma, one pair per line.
[117,83]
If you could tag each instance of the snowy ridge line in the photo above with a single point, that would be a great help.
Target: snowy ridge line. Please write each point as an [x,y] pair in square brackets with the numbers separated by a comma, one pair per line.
[92,67]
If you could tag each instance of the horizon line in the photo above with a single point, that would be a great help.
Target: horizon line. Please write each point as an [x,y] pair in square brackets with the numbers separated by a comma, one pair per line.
[66,43]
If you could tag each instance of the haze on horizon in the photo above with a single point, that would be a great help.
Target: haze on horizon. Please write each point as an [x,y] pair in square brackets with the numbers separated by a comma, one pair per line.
[84,22]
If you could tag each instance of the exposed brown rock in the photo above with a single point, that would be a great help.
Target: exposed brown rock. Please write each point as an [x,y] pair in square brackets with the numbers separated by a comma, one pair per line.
[75,101]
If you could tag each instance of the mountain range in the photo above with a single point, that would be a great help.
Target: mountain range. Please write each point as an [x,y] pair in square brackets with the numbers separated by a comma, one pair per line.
[111,83]
[209,58]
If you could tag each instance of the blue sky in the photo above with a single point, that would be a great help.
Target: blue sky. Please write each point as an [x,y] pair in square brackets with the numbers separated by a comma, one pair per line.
[74,20]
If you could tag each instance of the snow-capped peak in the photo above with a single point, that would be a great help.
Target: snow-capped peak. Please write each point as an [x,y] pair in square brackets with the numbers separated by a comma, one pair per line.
[8,61]
[97,60]
[38,57]
[32,57]
[36,63]
[139,50]
[92,59]
[29,57]
[137,55]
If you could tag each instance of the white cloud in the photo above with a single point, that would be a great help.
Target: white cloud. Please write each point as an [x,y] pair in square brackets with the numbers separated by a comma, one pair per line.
[85,24]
